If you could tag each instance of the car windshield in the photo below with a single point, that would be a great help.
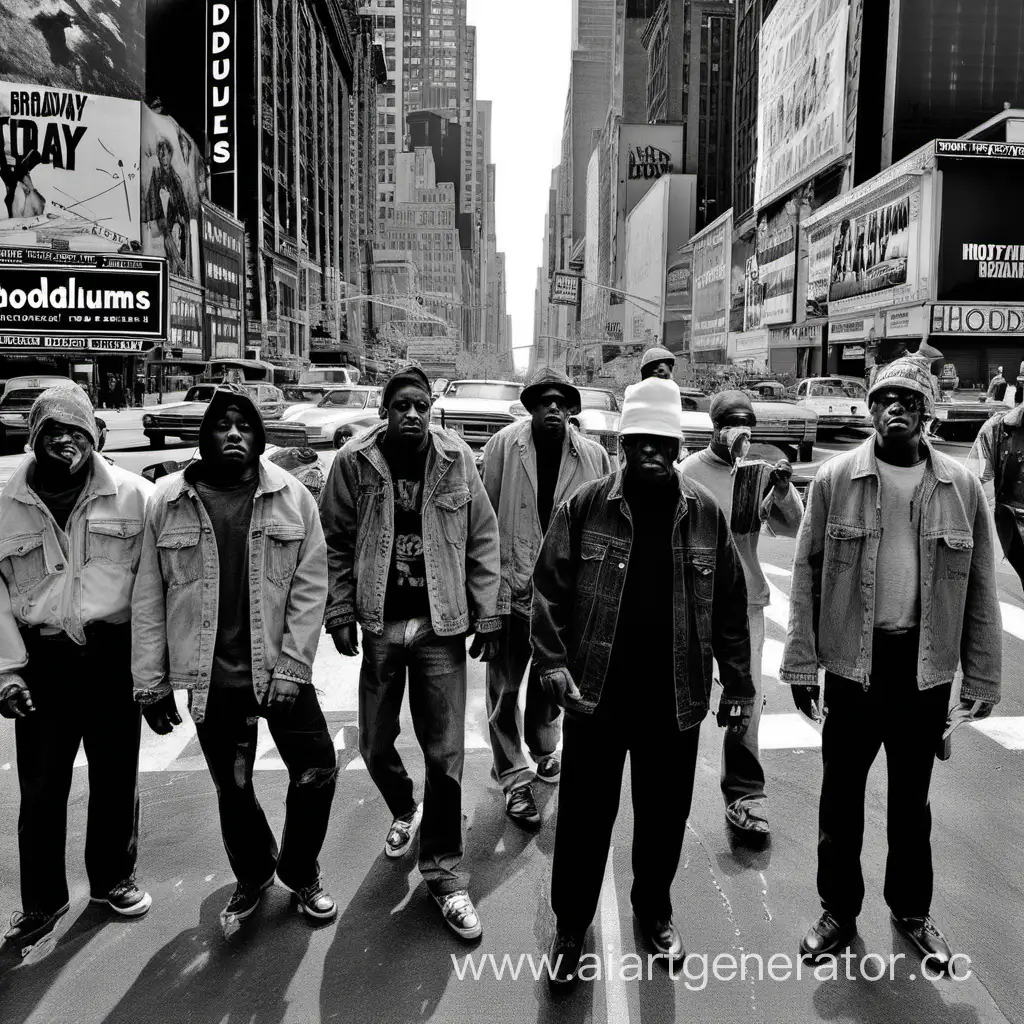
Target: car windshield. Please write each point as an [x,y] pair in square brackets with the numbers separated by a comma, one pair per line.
[200,393]
[297,393]
[480,389]
[838,389]
[21,399]
[343,399]
[325,377]
[597,400]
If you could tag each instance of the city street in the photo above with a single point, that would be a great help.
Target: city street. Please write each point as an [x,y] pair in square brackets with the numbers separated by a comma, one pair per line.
[389,956]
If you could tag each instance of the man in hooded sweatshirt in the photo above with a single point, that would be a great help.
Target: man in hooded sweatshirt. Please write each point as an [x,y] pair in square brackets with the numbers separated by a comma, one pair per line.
[229,606]
[70,531]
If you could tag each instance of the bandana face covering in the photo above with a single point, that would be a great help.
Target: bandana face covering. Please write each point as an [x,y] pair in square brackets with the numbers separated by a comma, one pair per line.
[737,440]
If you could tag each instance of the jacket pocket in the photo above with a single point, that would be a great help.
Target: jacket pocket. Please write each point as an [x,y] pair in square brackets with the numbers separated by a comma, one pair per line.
[592,556]
[181,557]
[27,560]
[282,552]
[453,511]
[844,546]
[953,554]
[112,540]
[701,571]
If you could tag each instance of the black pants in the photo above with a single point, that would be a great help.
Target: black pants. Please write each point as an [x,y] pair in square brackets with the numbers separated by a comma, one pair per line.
[81,694]
[1015,555]
[908,723]
[228,735]
[636,717]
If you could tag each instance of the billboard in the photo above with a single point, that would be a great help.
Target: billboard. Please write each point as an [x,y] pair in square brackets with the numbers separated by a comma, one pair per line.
[223,250]
[712,273]
[802,93]
[742,252]
[679,287]
[776,266]
[173,186]
[97,46]
[70,164]
[222,102]
[645,271]
[820,245]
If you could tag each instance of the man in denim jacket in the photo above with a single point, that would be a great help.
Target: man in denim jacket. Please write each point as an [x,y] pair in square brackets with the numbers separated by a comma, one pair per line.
[637,587]
[893,588]
[229,605]
[412,549]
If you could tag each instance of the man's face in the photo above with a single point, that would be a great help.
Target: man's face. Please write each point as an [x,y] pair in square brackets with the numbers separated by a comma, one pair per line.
[408,415]
[898,414]
[234,438]
[63,447]
[163,154]
[663,370]
[736,418]
[649,458]
[551,413]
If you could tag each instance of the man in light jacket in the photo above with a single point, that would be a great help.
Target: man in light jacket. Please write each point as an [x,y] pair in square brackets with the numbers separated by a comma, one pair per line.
[70,537]
[530,468]
[893,589]
[229,606]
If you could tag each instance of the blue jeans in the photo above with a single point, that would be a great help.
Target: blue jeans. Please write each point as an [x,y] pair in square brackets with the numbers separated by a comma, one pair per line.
[742,774]
[436,667]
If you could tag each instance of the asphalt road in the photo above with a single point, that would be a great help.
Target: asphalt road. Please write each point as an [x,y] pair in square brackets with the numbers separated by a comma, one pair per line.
[389,957]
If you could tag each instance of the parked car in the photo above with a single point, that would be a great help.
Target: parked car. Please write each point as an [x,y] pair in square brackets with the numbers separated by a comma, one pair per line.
[949,379]
[598,418]
[182,419]
[339,415]
[477,409]
[840,402]
[957,420]
[15,402]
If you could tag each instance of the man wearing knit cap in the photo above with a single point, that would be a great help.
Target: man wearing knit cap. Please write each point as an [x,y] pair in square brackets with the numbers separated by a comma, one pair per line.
[893,589]
[637,585]
[749,493]
[70,537]
[229,606]
[530,468]
[412,554]
[657,362]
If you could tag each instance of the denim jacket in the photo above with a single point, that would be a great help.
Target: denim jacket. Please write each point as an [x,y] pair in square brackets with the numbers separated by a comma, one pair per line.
[460,536]
[174,609]
[577,593]
[832,603]
[510,479]
[64,585]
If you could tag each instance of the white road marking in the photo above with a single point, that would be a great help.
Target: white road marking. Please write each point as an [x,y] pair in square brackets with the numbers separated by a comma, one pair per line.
[616,1000]
[786,732]
[771,658]
[1008,732]
[778,610]
[774,570]
[1013,619]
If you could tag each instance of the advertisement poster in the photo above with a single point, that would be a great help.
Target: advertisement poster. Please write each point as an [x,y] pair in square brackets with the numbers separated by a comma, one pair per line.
[753,300]
[69,163]
[173,187]
[712,264]
[679,288]
[646,235]
[776,265]
[93,46]
[981,252]
[802,92]
[819,273]
[742,252]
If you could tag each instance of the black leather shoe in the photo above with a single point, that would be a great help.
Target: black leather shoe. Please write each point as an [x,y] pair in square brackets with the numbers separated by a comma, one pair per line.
[521,807]
[927,939]
[828,935]
[663,937]
[564,959]
[27,929]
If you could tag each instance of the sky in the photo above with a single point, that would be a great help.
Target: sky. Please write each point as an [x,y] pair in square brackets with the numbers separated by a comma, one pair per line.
[523,57]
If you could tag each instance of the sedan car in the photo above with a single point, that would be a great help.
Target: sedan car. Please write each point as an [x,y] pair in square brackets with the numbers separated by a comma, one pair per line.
[598,418]
[182,419]
[339,415]
[839,402]
[477,409]
[780,422]
[18,395]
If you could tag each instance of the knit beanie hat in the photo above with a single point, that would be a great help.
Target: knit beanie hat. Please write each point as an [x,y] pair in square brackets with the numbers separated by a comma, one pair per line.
[650,359]
[726,402]
[407,376]
[652,407]
[63,403]
[910,373]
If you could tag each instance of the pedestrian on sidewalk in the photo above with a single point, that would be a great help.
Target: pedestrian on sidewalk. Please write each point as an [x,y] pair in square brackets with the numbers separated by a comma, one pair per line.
[530,468]
[412,550]
[70,536]
[229,606]
[637,585]
[750,493]
[893,589]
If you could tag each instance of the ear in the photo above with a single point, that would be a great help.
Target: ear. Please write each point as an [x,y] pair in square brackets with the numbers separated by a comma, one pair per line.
[382,412]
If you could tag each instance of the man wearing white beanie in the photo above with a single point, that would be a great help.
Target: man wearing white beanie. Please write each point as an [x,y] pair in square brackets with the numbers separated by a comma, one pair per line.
[638,570]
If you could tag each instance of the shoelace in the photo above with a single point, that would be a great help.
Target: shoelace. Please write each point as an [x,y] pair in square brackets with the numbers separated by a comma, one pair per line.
[458,904]
[400,830]
[311,892]
[123,888]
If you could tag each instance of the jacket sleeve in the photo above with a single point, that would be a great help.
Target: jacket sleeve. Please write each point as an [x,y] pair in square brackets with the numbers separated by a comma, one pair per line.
[307,596]
[494,469]
[554,590]
[13,655]
[338,520]
[483,553]
[981,462]
[800,657]
[981,641]
[149,618]
[785,516]
[730,626]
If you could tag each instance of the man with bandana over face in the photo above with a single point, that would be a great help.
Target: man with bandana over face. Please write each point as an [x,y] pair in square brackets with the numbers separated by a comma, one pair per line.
[749,495]
[70,539]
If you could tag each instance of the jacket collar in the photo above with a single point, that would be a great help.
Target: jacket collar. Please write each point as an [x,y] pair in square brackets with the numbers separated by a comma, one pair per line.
[444,443]
[523,436]
[865,462]
[686,495]
[271,479]
[101,481]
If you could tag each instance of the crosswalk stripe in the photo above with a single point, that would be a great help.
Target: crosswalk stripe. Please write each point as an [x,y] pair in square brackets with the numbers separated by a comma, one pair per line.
[1007,731]
[786,732]
[1013,619]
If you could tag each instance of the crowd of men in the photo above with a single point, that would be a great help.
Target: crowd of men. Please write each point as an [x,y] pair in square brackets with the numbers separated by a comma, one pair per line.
[609,592]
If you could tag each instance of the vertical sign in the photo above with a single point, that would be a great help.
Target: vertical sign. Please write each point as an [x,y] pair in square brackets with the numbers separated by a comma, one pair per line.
[221,103]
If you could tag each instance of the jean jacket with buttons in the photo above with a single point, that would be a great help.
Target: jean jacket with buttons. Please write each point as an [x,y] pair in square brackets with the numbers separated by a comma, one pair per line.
[65,580]
[510,479]
[460,536]
[174,610]
[578,585]
[832,603]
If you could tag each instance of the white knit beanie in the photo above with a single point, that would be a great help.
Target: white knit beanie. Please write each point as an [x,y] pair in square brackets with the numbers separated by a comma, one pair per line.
[652,407]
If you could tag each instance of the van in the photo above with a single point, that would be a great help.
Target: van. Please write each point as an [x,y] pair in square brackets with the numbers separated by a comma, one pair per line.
[345,375]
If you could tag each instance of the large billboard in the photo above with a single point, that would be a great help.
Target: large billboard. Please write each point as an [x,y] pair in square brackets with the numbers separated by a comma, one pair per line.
[646,238]
[802,92]
[70,166]
[222,102]
[712,271]
[173,187]
[775,268]
[96,46]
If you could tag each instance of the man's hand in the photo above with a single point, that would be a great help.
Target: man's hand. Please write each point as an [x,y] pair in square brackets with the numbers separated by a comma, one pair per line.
[281,695]
[735,717]
[808,701]
[558,685]
[162,715]
[16,700]
[780,477]
[487,646]
[967,711]
[346,640]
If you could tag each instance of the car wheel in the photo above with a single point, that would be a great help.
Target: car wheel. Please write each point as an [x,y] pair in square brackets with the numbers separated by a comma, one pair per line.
[805,452]
[342,436]
[157,441]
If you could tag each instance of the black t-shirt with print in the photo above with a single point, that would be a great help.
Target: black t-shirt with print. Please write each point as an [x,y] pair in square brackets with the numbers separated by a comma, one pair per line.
[406,596]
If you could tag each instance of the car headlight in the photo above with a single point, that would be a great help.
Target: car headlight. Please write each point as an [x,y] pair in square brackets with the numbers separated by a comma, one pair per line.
[148,421]
[12,419]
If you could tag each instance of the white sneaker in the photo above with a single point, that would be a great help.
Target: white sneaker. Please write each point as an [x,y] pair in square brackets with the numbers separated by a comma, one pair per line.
[460,915]
[399,837]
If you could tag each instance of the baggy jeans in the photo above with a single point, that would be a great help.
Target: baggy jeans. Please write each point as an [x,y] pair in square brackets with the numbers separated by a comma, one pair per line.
[742,774]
